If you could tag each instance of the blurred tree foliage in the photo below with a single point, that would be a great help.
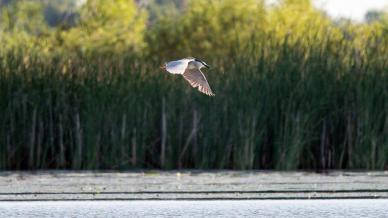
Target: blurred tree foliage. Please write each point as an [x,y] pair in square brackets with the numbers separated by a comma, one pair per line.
[206,28]
[171,28]
[21,24]
[61,13]
[107,26]
[294,19]
[160,8]
[99,26]
[380,17]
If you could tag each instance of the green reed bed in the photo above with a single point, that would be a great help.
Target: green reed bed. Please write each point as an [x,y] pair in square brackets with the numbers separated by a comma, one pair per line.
[280,105]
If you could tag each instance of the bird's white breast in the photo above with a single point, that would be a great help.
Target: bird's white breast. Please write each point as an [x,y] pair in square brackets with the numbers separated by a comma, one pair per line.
[177,67]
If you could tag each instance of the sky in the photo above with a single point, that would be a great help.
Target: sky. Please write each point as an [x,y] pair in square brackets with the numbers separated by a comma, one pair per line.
[352,9]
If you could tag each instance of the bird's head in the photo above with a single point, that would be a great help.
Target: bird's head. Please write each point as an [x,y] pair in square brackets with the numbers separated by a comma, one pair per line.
[201,63]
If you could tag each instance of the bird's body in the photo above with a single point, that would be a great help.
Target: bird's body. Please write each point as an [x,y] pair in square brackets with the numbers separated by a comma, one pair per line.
[190,69]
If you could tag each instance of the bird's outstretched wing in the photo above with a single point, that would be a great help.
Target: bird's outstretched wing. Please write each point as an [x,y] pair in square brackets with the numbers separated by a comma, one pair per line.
[196,79]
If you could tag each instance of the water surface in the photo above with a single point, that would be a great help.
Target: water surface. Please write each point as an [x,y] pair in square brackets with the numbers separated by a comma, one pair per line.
[224,208]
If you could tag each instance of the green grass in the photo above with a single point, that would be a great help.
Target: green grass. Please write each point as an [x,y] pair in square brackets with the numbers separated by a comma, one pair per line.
[277,106]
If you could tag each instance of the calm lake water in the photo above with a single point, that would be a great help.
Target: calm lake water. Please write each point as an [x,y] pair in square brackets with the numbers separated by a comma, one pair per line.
[227,208]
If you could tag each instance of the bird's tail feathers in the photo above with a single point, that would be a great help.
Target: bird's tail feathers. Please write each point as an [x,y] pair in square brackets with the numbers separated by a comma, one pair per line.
[163,67]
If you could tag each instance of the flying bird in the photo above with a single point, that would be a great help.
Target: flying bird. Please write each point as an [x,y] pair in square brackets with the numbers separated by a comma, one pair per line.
[190,69]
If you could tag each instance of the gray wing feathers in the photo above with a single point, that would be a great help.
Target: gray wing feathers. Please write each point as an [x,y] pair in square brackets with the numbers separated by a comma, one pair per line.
[196,79]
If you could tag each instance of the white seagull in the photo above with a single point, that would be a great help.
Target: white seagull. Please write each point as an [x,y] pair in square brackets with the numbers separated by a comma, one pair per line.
[190,69]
